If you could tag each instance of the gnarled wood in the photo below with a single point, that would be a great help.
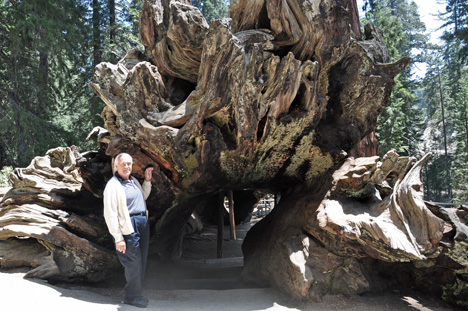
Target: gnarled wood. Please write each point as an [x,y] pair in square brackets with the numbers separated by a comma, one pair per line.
[275,99]
[398,227]
[173,33]
[49,209]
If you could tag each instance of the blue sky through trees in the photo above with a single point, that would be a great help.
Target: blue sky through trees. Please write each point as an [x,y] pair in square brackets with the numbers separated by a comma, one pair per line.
[428,11]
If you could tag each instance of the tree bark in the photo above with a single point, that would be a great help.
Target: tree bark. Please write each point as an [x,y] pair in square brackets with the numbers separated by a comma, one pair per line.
[97,53]
[274,99]
[112,21]
[232,221]
[444,130]
[219,251]
[465,118]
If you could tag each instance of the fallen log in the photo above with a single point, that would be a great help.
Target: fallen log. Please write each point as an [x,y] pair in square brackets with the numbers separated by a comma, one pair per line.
[274,99]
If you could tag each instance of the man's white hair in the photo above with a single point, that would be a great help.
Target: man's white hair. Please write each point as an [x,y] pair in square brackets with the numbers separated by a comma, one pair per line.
[117,159]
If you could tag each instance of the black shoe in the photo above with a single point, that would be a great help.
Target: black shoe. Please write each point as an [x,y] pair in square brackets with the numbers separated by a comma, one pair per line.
[140,302]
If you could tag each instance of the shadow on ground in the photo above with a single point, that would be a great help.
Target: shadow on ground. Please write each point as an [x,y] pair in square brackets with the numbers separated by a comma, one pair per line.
[199,281]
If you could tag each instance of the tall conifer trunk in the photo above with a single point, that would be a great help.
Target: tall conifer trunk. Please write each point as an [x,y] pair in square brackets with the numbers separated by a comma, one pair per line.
[43,70]
[442,106]
[97,53]
[112,20]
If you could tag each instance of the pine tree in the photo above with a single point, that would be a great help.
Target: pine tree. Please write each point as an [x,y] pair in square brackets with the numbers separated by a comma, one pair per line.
[48,50]
[455,62]
[39,45]
[97,37]
[212,9]
[456,23]
[445,91]
[119,28]
[460,161]
[400,125]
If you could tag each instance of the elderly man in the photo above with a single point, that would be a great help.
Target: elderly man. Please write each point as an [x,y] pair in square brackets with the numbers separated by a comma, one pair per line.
[126,218]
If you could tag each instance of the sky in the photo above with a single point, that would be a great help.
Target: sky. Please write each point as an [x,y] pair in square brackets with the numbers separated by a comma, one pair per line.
[428,10]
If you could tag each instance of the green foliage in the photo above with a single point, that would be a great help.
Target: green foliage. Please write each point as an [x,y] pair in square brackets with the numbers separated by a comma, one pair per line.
[439,115]
[4,173]
[445,95]
[212,9]
[36,70]
[401,24]
[46,62]
[435,108]
[125,29]
[399,126]
[391,130]
[460,158]
[456,24]
[47,51]
[436,175]
[456,292]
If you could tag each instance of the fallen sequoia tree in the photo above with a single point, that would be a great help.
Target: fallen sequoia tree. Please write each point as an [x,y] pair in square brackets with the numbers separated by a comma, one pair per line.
[277,98]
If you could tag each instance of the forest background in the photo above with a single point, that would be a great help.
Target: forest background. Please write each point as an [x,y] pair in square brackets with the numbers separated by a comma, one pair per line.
[48,51]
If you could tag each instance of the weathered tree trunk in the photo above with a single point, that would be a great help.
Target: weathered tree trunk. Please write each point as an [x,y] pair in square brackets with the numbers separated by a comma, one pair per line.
[56,219]
[355,214]
[274,99]
[270,109]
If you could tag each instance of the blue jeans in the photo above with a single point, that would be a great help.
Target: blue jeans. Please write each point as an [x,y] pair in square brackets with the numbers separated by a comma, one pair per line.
[135,257]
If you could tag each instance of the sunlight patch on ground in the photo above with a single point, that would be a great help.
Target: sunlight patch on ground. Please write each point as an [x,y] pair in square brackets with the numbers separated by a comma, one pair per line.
[277,307]
[415,304]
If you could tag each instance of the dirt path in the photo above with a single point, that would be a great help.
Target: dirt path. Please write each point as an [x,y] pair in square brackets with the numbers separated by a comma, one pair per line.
[21,294]
[200,282]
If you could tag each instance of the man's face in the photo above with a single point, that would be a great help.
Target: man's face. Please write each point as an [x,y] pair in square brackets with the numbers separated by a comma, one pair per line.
[124,166]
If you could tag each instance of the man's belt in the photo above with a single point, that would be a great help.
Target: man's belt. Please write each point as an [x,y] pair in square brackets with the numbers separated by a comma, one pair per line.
[138,214]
